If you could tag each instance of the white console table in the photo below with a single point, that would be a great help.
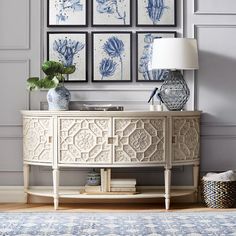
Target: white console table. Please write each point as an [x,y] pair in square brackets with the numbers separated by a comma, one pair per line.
[112,139]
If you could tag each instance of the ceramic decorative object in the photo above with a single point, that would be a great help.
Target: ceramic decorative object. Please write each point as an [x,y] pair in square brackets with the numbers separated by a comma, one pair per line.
[58,98]
[93,179]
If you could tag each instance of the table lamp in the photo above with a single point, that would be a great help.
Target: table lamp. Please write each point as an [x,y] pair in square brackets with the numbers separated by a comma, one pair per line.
[174,54]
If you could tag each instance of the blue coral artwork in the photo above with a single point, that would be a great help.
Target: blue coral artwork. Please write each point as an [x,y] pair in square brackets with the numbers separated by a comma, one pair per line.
[111,56]
[144,56]
[69,48]
[156,13]
[111,12]
[67,13]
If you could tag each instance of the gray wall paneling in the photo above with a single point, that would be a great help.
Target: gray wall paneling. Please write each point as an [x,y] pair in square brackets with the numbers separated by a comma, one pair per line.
[213,23]
[20,30]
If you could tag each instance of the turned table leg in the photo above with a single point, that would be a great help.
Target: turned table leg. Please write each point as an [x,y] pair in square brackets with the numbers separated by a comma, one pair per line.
[195,180]
[26,182]
[167,187]
[56,187]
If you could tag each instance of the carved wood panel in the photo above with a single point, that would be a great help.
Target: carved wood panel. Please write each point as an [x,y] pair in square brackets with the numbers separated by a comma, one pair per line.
[84,140]
[139,140]
[37,146]
[186,138]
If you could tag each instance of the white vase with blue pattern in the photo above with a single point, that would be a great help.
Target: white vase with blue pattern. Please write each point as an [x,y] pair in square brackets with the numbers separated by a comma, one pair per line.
[58,99]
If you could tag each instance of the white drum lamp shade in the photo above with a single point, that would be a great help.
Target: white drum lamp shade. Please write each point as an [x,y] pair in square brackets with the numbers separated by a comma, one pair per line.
[175,54]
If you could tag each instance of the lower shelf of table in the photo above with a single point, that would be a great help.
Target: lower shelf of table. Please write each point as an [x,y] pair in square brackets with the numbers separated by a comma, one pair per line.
[75,193]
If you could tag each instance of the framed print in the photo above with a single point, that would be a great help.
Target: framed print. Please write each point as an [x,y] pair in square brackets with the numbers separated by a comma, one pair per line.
[156,13]
[111,56]
[144,41]
[111,13]
[70,13]
[69,48]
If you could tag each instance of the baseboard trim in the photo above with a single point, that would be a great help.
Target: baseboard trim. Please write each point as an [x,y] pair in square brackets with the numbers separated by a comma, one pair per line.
[12,194]
[15,194]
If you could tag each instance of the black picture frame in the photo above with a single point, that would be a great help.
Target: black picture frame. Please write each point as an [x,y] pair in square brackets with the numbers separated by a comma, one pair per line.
[111,25]
[49,25]
[173,33]
[86,52]
[130,55]
[156,25]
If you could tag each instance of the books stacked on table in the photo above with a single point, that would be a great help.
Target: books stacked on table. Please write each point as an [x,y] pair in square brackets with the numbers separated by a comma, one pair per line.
[123,185]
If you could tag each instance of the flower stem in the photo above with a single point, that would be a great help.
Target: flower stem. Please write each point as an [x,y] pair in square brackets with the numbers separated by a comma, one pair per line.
[121,68]
[118,13]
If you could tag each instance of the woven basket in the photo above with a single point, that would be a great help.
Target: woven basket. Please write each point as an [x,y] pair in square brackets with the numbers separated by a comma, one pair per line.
[218,194]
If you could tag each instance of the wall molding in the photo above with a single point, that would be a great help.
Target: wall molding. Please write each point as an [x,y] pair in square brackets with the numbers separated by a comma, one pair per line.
[195,27]
[11,138]
[218,124]
[131,87]
[196,11]
[27,102]
[26,46]
[218,136]
[10,125]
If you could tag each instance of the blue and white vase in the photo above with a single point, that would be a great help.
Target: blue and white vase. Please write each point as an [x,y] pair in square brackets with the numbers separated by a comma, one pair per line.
[93,179]
[58,99]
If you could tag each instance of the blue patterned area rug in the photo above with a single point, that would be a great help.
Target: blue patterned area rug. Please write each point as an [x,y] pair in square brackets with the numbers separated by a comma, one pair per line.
[113,224]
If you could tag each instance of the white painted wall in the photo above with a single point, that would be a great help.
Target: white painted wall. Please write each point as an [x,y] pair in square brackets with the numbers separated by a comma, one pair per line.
[23,48]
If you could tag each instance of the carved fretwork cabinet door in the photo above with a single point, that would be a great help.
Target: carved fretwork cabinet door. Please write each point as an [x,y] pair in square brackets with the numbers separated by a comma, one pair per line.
[37,139]
[139,140]
[185,138]
[84,140]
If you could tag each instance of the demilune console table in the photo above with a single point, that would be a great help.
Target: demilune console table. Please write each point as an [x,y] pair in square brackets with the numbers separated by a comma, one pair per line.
[111,139]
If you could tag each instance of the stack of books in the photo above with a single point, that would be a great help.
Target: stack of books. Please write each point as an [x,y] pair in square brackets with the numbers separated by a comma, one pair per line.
[92,189]
[123,185]
[106,180]
[112,186]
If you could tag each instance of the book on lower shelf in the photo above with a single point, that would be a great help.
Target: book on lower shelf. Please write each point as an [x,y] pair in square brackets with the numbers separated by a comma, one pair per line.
[123,185]
[123,182]
[115,185]
[105,180]
[123,189]
[92,189]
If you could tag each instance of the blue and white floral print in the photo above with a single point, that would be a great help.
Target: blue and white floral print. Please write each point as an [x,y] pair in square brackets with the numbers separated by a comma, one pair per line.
[114,47]
[67,12]
[67,49]
[146,59]
[114,8]
[111,56]
[155,10]
[107,67]
[70,49]
[64,8]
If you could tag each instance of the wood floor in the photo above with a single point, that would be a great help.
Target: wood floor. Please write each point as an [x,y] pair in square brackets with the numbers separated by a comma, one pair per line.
[108,207]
